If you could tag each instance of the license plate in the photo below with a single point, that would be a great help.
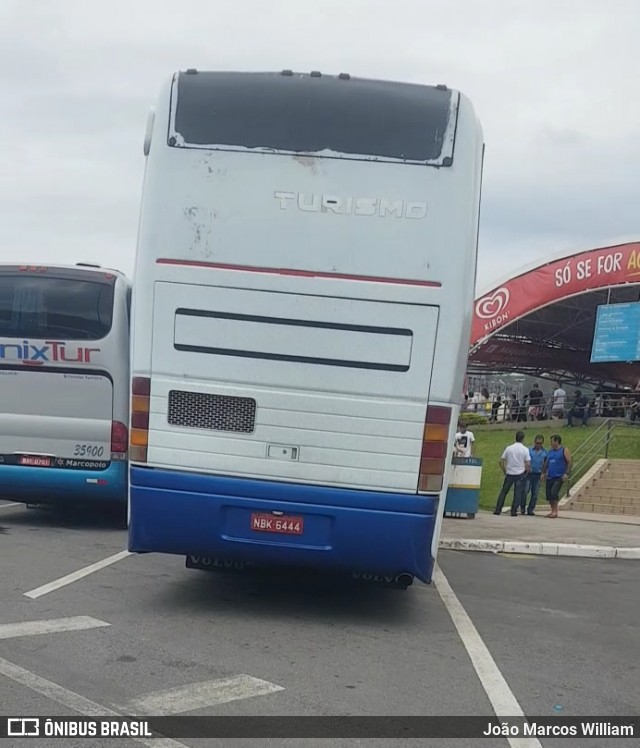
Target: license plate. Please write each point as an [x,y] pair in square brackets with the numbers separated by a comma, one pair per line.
[33,461]
[284,525]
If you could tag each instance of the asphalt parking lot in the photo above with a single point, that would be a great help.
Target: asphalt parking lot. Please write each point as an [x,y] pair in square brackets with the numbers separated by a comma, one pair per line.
[563,633]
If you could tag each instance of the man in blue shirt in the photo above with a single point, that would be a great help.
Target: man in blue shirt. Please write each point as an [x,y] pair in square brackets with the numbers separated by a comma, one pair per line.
[557,469]
[538,458]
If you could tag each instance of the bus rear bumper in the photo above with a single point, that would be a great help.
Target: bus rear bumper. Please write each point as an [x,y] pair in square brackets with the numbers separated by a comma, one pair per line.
[34,485]
[342,530]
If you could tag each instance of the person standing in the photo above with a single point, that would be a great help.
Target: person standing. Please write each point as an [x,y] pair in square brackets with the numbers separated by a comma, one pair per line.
[538,456]
[515,463]
[556,471]
[514,407]
[559,399]
[580,409]
[464,443]
[536,397]
[496,405]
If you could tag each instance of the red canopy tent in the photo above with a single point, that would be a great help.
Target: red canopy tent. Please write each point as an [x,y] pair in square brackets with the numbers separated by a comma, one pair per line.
[541,321]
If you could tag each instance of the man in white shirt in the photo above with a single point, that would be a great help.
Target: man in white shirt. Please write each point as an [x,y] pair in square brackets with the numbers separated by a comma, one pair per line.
[515,463]
[464,444]
[559,399]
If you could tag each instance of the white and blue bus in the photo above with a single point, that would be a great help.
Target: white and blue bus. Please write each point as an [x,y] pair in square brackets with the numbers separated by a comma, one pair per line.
[64,384]
[302,305]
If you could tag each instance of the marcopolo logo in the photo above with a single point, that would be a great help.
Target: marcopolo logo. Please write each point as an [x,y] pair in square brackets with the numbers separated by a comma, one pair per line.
[52,351]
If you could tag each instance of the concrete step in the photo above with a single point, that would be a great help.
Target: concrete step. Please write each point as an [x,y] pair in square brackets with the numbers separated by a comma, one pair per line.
[605,491]
[605,497]
[616,485]
[627,466]
[616,476]
[599,508]
[622,473]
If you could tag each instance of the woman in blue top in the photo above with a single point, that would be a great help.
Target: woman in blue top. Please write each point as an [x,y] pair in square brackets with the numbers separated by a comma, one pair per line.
[556,471]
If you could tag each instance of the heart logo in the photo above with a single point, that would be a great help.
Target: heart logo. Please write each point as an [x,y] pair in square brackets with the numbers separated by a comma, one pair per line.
[490,306]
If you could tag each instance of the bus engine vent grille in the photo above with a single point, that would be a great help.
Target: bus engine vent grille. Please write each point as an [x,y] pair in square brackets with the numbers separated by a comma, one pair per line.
[198,410]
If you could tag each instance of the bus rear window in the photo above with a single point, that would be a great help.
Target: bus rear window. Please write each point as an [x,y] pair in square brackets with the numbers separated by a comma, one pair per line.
[359,119]
[35,306]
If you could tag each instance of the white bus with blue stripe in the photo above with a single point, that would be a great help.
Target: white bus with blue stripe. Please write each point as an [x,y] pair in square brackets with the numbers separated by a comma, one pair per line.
[303,294]
[64,384]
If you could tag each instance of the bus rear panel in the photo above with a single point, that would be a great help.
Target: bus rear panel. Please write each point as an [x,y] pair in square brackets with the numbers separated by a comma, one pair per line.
[300,326]
[64,394]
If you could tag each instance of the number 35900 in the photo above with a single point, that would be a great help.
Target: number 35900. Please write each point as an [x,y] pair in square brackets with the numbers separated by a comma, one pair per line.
[88,450]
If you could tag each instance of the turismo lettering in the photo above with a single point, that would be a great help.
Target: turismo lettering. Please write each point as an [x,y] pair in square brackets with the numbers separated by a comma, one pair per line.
[358,206]
[53,351]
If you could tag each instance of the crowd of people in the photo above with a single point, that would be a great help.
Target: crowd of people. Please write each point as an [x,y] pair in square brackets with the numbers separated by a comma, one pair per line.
[534,406]
[527,469]
[537,406]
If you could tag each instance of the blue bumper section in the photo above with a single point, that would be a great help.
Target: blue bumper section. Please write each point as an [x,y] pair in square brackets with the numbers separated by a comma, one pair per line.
[56,485]
[344,530]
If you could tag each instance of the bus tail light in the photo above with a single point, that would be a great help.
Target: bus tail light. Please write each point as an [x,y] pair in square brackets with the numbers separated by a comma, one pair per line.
[435,448]
[119,438]
[140,400]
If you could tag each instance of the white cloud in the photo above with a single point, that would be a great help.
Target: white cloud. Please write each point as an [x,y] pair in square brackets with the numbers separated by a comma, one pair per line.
[553,83]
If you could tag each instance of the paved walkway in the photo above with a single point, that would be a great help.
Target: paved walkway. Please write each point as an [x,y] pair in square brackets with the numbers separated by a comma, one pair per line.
[572,534]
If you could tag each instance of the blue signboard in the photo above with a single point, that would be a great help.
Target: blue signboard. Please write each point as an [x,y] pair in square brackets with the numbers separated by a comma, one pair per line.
[617,333]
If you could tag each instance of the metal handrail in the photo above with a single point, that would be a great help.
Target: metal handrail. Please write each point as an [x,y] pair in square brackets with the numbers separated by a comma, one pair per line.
[605,425]
[586,457]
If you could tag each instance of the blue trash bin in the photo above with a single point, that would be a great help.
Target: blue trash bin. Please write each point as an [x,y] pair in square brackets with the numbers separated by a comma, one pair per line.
[463,493]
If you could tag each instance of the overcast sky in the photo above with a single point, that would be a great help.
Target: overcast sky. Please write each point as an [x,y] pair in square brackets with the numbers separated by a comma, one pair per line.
[554,83]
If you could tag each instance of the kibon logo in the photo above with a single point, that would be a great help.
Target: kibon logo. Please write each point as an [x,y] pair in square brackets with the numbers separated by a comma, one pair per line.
[493,309]
[493,305]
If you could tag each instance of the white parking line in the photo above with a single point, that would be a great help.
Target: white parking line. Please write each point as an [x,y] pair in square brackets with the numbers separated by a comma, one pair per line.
[13,503]
[50,626]
[497,689]
[72,700]
[201,695]
[74,576]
